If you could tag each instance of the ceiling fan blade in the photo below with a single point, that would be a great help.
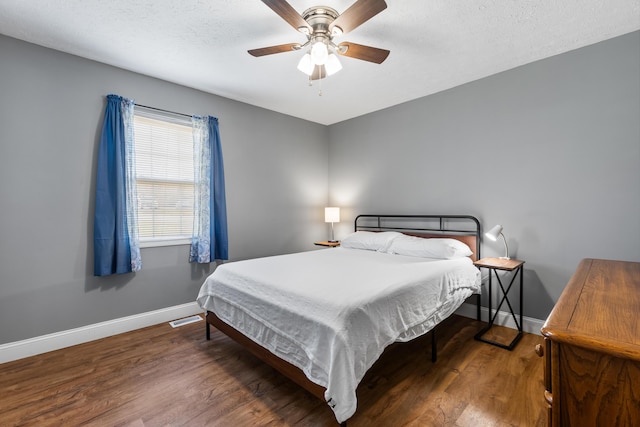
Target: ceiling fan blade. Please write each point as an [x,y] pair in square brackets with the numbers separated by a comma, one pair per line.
[288,13]
[357,14]
[275,49]
[319,72]
[365,53]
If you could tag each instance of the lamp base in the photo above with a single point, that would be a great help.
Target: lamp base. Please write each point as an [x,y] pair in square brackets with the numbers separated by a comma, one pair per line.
[333,241]
[504,257]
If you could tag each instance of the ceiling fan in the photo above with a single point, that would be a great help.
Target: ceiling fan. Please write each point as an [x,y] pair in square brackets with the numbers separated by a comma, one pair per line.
[320,24]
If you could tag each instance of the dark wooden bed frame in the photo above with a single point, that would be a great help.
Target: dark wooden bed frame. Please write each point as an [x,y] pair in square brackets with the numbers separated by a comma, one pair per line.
[460,227]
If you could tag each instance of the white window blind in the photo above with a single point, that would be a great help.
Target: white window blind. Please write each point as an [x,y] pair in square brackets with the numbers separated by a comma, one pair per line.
[164,176]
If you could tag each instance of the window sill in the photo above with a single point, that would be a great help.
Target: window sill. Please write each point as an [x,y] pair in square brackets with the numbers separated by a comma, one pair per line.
[160,243]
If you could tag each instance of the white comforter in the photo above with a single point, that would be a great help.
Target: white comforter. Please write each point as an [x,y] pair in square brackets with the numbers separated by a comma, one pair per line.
[332,312]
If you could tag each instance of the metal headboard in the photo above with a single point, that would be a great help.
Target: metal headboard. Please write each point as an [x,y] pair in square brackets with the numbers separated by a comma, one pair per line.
[462,225]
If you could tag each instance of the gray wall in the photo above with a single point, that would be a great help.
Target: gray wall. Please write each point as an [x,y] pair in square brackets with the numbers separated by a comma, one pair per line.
[51,110]
[550,150]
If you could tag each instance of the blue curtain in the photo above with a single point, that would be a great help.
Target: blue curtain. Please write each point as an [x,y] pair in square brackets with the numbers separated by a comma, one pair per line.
[115,229]
[210,241]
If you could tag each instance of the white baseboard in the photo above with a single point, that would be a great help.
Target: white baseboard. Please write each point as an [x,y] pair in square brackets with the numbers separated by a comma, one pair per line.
[56,341]
[45,343]
[529,324]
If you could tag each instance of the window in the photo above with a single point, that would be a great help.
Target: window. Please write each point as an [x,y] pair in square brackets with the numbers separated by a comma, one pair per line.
[164,177]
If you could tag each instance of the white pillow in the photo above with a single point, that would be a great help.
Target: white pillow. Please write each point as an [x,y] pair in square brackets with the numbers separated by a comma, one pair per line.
[369,240]
[439,248]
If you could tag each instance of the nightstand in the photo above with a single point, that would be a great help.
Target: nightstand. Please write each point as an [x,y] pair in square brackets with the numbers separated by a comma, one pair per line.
[328,244]
[515,267]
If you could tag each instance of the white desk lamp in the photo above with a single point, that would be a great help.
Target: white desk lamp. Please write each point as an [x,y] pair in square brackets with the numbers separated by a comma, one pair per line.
[493,235]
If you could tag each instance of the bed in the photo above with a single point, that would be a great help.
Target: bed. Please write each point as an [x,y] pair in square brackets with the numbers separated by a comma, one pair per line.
[322,318]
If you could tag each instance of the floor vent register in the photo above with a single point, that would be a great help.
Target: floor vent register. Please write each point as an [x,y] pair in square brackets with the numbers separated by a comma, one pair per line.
[185,321]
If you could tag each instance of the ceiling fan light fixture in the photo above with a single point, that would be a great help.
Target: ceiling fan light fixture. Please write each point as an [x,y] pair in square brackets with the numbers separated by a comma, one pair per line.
[306,65]
[333,65]
[319,53]
[320,24]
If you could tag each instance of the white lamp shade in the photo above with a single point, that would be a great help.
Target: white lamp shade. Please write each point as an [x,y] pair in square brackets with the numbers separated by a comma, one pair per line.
[333,65]
[494,232]
[305,65]
[331,214]
[319,53]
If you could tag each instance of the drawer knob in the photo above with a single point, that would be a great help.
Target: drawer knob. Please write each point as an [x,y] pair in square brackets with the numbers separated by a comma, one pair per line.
[539,350]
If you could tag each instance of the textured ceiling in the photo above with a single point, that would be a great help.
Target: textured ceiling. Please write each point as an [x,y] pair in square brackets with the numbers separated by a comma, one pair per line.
[434,44]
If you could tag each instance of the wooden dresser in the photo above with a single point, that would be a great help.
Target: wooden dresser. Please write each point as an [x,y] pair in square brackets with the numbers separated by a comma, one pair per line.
[592,347]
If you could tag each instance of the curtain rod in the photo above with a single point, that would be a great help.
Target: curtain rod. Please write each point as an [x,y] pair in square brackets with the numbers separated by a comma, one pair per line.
[160,109]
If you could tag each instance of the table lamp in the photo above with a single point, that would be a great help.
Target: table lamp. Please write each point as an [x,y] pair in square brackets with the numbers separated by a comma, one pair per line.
[332,215]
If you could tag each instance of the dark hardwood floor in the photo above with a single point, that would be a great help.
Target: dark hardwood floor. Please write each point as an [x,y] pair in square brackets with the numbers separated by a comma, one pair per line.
[160,376]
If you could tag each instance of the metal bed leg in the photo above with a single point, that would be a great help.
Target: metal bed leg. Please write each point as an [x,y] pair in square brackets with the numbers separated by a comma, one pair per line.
[478,301]
[434,352]
[208,330]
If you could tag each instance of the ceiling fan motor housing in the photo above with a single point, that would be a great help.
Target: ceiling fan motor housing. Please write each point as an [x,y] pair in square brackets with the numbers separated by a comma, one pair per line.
[319,19]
